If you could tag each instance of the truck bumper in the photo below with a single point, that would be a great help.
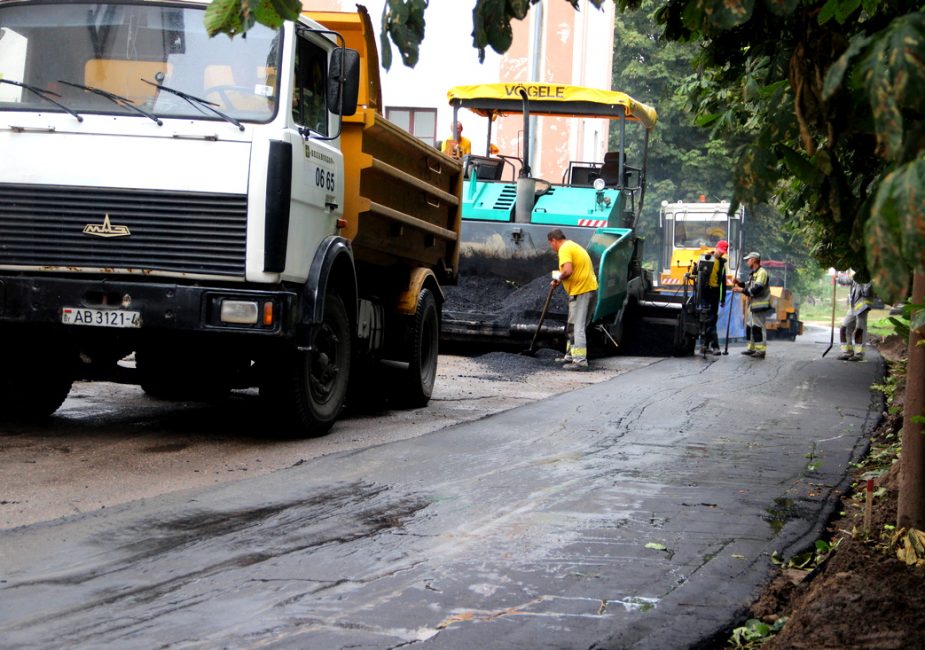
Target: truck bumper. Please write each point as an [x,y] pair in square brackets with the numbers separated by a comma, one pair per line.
[162,306]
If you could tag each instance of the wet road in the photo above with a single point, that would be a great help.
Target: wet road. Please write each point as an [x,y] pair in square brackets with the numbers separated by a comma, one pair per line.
[639,512]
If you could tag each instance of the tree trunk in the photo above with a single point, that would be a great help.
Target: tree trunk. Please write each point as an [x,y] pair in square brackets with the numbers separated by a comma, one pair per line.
[910,512]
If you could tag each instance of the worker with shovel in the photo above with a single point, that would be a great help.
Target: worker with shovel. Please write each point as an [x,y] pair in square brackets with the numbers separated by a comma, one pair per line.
[576,275]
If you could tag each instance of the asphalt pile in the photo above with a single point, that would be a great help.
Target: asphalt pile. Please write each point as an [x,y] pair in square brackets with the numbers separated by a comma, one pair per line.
[502,301]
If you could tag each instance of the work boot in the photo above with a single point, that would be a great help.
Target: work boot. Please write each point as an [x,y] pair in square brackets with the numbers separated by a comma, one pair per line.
[716,352]
[845,356]
[564,360]
[581,366]
[748,352]
[759,355]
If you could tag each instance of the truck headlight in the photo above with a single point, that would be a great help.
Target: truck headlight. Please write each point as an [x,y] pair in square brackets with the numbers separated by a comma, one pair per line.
[239,311]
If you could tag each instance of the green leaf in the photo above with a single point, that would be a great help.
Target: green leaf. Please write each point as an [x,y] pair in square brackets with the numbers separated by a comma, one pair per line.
[894,73]
[883,233]
[798,164]
[828,11]
[385,48]
[224,17]
[845,9]
[518,8]
[833,79]
[286,10]
[656,546]
[267,14]
[403,20]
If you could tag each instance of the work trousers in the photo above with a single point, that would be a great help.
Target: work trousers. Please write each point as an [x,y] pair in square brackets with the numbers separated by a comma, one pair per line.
[710,301]
[579,316]
[757,330]
[854,328]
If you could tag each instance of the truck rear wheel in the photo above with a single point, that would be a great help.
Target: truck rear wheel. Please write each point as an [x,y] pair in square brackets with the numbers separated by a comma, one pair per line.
[423,336]
[35,381]
[311,387]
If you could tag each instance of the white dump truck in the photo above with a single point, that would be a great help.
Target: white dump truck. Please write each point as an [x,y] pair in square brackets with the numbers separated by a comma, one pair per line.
[235,212]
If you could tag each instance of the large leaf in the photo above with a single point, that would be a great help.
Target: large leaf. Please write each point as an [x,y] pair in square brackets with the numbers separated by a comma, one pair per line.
[894,73]
[833,80]
[895,232]
[798,164]
[404,22]
[492,26]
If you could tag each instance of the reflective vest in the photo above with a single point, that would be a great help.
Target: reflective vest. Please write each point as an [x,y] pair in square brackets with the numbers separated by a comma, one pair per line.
[758,290]
[860,297]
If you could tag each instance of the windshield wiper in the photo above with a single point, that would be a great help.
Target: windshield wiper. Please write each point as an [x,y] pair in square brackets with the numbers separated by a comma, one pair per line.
[197,102]
[44,94]
[124,102]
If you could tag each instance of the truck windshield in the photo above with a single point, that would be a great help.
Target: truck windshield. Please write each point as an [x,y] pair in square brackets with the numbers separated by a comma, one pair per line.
[116,47]
[699,233]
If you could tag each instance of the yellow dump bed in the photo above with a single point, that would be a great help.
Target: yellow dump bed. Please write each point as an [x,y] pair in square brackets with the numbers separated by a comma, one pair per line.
[402,196]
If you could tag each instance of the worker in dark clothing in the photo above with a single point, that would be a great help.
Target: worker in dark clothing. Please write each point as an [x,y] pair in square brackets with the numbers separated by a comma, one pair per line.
[758,291]
[712,295]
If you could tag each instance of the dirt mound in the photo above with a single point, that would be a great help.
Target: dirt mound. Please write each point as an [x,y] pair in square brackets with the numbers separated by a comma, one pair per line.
[861,597]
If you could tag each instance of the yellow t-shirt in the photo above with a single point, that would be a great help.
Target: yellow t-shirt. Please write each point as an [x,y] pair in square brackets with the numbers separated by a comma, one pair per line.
[582,279]
[457,148]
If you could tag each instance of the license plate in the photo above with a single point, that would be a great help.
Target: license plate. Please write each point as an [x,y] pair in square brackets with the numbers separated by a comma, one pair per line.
[100,317]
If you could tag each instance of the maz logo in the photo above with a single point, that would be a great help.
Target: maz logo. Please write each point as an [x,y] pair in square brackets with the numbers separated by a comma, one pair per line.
[106,229]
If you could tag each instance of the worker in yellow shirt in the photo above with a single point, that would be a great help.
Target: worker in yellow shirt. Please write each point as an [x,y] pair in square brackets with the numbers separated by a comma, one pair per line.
[459,146]
[576,275]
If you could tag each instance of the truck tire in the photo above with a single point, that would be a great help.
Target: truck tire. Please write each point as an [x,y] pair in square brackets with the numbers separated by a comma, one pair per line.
[34,382]
[309,389]
[422,337]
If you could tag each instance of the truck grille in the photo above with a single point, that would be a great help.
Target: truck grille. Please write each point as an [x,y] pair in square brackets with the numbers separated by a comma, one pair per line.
[185,232]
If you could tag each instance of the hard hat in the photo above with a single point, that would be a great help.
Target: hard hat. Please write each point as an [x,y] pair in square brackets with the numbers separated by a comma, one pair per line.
[753,255]
[722,246]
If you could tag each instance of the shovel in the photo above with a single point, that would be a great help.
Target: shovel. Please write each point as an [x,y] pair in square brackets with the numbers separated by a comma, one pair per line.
[531,351]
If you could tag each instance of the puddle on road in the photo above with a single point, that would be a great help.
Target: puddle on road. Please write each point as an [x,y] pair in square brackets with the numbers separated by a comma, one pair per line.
[780,513]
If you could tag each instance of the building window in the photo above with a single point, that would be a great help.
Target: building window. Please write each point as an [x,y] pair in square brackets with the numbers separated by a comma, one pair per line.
[419,122]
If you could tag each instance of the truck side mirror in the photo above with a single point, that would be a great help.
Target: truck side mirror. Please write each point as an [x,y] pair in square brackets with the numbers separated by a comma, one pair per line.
[343,81]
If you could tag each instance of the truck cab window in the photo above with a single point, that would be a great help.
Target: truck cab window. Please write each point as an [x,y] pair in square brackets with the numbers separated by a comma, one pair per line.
[308,102]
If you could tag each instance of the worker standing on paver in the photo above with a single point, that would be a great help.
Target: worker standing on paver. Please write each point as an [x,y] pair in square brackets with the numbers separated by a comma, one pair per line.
[854,326]
[576,275]
[759,305]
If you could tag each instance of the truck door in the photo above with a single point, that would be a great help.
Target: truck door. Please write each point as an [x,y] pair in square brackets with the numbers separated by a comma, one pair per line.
[317,165]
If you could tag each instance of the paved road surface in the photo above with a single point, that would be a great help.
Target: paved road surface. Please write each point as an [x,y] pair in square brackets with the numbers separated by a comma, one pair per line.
[528,529]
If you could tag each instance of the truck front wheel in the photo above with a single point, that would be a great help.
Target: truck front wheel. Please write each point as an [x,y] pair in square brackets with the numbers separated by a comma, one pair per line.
[310,388]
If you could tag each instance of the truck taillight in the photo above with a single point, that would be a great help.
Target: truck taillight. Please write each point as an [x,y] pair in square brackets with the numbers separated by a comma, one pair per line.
[268,313]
